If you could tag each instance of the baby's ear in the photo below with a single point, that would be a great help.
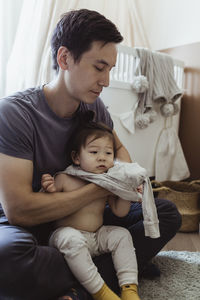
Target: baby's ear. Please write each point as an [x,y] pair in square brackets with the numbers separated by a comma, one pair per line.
[75,158]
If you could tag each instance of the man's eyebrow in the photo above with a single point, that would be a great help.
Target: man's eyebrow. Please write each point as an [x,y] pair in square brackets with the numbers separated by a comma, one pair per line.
[102,61]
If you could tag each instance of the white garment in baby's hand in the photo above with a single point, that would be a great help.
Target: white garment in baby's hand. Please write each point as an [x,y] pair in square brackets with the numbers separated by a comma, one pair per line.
[123,180]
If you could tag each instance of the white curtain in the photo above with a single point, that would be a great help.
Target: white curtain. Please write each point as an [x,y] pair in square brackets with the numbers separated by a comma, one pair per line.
[9,18]
[30,61]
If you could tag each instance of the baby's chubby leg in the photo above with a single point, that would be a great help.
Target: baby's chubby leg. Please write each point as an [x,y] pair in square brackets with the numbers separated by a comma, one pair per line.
[118,241]
[73,244]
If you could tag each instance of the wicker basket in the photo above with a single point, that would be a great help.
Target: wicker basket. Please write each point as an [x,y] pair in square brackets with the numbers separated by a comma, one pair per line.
[186,196]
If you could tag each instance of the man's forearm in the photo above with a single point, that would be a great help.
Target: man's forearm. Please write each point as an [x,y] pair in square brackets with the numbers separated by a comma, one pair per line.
[122,154]
[45,207]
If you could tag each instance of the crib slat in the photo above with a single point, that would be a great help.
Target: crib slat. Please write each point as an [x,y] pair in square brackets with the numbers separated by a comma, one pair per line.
[127,61]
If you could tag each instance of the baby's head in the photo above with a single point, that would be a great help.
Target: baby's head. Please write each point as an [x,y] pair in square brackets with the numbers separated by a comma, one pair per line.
[93,147]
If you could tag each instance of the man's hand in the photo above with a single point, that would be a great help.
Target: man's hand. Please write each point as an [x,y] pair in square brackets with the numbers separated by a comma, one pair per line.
[48,183]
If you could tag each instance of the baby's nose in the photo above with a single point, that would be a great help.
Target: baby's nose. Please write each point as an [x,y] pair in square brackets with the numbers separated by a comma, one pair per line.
[101,156]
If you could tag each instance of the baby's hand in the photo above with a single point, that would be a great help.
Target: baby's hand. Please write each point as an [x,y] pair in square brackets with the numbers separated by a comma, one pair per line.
[48,183]
[140,189]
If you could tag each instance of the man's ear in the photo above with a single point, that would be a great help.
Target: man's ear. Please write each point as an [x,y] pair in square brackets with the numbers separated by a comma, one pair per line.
[75,158]
[63,57]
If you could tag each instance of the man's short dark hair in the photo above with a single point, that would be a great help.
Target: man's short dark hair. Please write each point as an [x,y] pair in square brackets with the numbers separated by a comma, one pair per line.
[77,30]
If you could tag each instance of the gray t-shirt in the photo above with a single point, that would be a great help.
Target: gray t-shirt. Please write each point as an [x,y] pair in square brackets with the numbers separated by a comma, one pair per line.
[29,129]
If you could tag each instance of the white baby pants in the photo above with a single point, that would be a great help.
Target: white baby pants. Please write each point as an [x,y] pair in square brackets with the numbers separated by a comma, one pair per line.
[79,246]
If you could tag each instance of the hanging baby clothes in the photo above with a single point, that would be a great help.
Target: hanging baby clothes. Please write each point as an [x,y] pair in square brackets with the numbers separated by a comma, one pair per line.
[170,163]
[123,180]
[145,97]
[159,71]
[165,86]
[127,119]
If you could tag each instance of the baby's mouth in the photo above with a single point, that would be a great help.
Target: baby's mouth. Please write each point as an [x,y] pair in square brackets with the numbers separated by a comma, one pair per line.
[102,167]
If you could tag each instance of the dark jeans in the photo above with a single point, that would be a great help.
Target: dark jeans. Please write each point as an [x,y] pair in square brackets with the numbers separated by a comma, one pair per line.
[30,270]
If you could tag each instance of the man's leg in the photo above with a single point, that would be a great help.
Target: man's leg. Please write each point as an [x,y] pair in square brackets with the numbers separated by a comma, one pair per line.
[30,271]
[147,248]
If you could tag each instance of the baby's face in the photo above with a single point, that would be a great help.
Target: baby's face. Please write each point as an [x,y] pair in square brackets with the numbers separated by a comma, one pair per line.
[97,156]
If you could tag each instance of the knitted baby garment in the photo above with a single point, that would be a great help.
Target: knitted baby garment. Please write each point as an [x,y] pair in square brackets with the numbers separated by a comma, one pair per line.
[122,180]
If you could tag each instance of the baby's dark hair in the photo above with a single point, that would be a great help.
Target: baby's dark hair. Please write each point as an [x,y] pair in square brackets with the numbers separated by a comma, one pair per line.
[88,128]
[76,31]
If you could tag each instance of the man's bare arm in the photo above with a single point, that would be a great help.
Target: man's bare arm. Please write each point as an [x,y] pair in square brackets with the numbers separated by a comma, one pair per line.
[24,207]
[122,153]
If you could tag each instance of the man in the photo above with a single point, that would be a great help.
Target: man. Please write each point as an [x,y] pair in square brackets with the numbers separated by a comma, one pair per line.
[35,126]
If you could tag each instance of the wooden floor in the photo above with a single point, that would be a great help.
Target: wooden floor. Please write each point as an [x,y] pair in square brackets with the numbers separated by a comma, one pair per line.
[184,242]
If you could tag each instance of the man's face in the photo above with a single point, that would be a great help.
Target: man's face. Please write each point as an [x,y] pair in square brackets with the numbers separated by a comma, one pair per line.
[86,78]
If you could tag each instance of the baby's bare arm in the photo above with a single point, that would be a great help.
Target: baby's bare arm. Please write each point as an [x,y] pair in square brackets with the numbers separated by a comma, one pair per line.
[48,184]
[61,183]
[68,183]
[119,206]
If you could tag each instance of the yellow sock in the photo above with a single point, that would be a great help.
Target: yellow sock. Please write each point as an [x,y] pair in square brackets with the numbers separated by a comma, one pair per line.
[105,293]
[129,292]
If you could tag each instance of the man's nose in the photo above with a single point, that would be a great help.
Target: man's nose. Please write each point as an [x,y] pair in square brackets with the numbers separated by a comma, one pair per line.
[105,79]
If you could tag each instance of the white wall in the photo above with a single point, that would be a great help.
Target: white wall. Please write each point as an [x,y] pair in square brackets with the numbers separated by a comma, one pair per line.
[170,23]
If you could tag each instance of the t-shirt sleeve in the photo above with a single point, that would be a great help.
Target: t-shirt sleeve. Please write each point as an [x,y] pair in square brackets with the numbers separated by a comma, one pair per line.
[16,130]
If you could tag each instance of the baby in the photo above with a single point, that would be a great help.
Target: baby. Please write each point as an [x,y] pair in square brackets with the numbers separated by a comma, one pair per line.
[81,235]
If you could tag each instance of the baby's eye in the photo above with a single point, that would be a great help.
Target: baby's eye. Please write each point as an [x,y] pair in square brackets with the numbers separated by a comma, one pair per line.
[109,153]
[93,152]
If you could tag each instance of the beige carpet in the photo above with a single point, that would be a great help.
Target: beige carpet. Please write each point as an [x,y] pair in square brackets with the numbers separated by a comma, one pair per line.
[179,280]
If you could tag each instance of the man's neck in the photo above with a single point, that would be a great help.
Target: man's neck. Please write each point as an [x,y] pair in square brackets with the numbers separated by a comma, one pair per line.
[58,99]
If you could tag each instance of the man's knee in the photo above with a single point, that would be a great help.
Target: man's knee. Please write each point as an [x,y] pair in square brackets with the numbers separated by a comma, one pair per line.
[168,213]
[15,246]
[14,241]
